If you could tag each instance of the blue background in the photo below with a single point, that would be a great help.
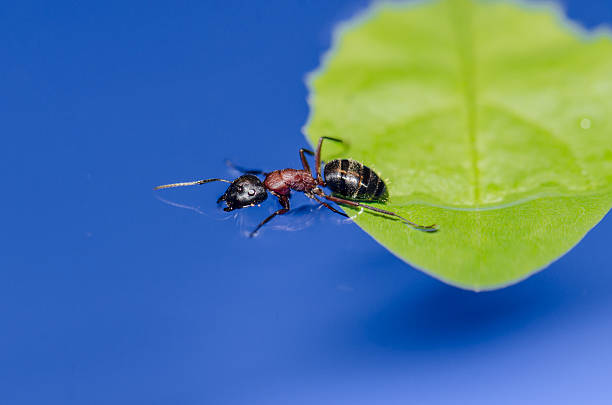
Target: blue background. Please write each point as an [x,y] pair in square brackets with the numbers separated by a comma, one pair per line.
[109,296]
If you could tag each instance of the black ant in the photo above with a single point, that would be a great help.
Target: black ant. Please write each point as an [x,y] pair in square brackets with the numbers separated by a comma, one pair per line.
[349,180]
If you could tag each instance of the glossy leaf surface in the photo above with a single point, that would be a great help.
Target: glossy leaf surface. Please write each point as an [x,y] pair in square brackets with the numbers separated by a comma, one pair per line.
[491,119]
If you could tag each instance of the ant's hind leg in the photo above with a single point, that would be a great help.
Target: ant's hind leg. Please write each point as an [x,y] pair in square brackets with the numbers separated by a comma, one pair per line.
[326,205]
[241,169]
[424,228]
[284,201]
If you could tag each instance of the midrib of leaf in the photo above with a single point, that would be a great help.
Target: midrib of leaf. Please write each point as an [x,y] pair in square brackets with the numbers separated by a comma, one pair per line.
[461,22]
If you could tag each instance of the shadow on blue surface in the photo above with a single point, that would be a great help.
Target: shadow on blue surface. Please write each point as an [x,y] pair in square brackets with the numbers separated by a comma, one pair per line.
[428,316]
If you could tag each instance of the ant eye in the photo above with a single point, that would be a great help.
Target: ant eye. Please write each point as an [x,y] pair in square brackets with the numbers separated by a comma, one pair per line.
[251,192]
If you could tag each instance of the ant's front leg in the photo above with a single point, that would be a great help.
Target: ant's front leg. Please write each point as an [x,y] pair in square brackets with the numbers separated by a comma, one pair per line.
[284,201]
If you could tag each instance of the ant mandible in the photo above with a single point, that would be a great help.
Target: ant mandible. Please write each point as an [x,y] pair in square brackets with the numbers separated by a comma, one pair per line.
[350,181]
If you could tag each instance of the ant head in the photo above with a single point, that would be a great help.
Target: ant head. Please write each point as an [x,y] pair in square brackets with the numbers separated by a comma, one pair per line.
[245,191]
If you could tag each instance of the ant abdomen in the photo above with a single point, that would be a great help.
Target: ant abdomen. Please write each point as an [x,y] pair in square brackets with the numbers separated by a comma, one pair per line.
[351,179]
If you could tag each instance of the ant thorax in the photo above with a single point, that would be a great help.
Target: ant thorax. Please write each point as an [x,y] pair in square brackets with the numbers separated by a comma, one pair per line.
[283,181]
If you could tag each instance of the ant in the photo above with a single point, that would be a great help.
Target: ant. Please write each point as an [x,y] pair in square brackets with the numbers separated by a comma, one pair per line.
[350,181]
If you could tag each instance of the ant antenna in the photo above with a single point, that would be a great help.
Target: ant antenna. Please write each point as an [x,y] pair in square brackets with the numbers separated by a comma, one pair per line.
[189,183]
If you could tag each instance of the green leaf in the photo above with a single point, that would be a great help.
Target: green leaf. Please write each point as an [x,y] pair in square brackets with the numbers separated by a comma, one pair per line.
[491,119]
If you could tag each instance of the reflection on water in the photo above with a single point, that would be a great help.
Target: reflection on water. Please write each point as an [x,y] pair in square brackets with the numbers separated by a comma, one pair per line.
[299,218]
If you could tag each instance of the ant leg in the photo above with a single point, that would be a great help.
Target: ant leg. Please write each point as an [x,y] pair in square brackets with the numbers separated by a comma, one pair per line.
[303,158]
[424,228]
[244,170]
[318,156]
[323,203]
[284,200]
